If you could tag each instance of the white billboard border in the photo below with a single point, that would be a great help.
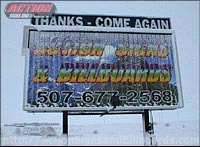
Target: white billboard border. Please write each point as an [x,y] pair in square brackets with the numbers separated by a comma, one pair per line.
[82,110]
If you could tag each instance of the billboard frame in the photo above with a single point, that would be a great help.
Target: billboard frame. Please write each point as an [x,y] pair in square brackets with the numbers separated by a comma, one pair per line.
[25,51]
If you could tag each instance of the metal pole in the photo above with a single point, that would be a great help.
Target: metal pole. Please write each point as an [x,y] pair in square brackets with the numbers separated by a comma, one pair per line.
[144,121]
[65,122]
[148,130]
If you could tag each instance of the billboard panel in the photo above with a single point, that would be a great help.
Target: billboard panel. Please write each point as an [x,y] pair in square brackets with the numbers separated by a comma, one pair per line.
[76,69]
[102,21]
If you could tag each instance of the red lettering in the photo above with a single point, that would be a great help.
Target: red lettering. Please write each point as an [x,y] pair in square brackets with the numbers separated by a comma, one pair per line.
[20,8]
[27,8]
[39,8]
[11,8]
[31,7]
[47,7]
[43,8]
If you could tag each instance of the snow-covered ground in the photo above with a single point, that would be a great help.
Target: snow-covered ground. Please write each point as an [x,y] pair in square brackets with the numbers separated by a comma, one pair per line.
[173,133]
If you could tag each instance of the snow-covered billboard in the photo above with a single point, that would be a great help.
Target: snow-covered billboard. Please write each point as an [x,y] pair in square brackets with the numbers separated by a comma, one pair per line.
[76,69]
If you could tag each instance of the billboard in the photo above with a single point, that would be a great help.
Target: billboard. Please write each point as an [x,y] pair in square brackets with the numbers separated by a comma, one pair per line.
[98,69]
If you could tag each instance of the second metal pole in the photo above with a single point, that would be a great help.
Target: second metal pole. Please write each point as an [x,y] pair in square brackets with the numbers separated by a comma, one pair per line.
[65,122]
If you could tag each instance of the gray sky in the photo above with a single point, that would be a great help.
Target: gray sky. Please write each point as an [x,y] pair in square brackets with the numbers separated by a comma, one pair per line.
[185,21]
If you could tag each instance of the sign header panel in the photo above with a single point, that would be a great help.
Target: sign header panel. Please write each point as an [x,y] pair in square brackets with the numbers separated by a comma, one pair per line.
[103,21]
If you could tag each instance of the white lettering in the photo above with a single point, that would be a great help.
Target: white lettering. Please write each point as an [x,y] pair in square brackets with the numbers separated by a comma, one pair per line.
[53,21]
[15,15]
[100,21]
[79,21]
[108,22]
[61,21]
[164,24]
[126,22]
[137,23]
[145,23]
[158,22]
[36,21]
[97,21]
[70,21]
[117,23]
[153,24]
[44,21]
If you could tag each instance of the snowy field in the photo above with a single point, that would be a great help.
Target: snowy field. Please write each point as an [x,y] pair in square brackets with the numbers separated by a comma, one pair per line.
[173,133]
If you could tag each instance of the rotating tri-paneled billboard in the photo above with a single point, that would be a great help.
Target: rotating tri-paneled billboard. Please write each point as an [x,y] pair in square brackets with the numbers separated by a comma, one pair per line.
[77,69]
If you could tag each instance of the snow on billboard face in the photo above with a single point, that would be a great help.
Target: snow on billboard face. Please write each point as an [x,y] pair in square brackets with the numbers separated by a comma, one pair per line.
[71,70]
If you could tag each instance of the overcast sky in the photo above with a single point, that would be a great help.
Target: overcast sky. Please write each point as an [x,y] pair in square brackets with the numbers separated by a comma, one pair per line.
[184,19]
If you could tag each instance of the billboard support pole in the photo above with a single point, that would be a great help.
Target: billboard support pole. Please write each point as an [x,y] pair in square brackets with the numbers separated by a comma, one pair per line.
[65,122]
[148,130]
